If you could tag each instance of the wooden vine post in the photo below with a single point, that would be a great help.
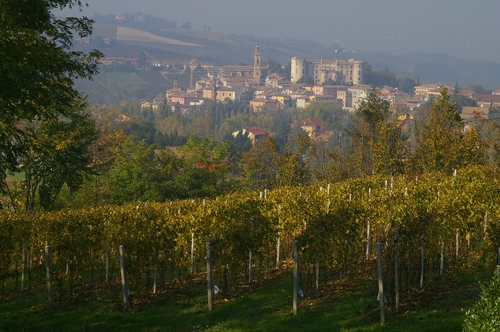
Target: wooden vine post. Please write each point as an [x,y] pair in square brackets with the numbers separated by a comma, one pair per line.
[381,294]
[125,290]
[249,266]
[23,264]
[368,228]
[49,277]
[107,255]
[210,283]
[192,253]
[295,277]
[396,268]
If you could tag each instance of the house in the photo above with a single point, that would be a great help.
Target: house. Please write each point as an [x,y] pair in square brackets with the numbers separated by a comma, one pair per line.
[264,105]
[331,90]
[224,93]
[359,93]
[414,102]
[471,113]
[433,89]
[283,99]
[255,134]
[147,104]
[275,81]
[313,126]
[488,100]
[183,98]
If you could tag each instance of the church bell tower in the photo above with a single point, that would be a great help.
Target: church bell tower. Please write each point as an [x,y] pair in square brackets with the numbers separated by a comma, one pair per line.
[257,71]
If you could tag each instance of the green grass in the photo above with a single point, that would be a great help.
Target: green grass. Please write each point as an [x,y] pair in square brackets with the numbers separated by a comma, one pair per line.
[347,305]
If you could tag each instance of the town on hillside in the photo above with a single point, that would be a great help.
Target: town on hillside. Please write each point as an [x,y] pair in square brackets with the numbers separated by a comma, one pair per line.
[311,81]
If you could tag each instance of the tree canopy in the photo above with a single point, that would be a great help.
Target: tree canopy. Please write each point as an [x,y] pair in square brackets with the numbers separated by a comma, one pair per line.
[38,67]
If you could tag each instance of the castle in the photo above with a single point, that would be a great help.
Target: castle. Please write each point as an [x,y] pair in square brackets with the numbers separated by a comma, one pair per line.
[340,71]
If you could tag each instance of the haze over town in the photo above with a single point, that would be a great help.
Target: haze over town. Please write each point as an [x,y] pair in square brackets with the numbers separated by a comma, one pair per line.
[464,29]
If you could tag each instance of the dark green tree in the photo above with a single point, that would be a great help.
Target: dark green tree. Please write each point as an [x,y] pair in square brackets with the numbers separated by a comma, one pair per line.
[38,67]
[440,143]
[140,174]
[371,115]
[205,167]
[57,152]
[406,84]
[265,165]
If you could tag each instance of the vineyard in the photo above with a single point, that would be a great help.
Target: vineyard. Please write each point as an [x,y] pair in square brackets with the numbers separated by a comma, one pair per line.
[422,224]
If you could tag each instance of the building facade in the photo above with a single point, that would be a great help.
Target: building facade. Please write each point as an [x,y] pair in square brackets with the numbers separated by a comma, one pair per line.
[320,71]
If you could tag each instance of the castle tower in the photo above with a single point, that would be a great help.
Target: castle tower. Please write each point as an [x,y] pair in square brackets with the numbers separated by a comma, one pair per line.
[257,71]
[297,69]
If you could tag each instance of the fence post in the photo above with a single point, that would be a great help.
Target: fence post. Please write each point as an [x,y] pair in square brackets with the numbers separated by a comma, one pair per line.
[396,267]
[422,262]
[295,276]
[192,252]
[249,266]
[155,274]
[368,240]
[49,276]
[107,253]
[441,263]
[210,283]
[124,279]
[23,264]
[317,275]
[381,295]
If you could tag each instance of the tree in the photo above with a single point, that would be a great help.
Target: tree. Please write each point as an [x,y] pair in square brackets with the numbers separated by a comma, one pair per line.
[97,41]
[140,174]
[461,100]
[369,119]
[381,77]
[475,87]
[265,166]
[186,25]
[406,84]
[306,79]
[204,170]
[440,143]
[485,313]
[38,68]
[57,152]
[142,59]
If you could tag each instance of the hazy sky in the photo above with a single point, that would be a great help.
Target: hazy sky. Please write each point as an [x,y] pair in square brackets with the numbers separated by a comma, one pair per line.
[463,28]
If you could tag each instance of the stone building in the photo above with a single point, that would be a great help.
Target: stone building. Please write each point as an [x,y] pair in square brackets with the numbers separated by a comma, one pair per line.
[343,72]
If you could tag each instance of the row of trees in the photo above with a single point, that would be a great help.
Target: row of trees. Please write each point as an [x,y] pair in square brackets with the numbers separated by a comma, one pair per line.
[115,167]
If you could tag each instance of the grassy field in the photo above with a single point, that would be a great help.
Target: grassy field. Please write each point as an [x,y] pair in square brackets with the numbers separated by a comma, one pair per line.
[345,305]
[124,33]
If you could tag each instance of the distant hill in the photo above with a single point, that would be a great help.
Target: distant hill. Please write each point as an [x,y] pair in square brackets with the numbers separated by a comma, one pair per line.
[437,68]
[131,34]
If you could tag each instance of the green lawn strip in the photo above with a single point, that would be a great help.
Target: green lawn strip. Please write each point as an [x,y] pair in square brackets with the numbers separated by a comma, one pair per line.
[347,305]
